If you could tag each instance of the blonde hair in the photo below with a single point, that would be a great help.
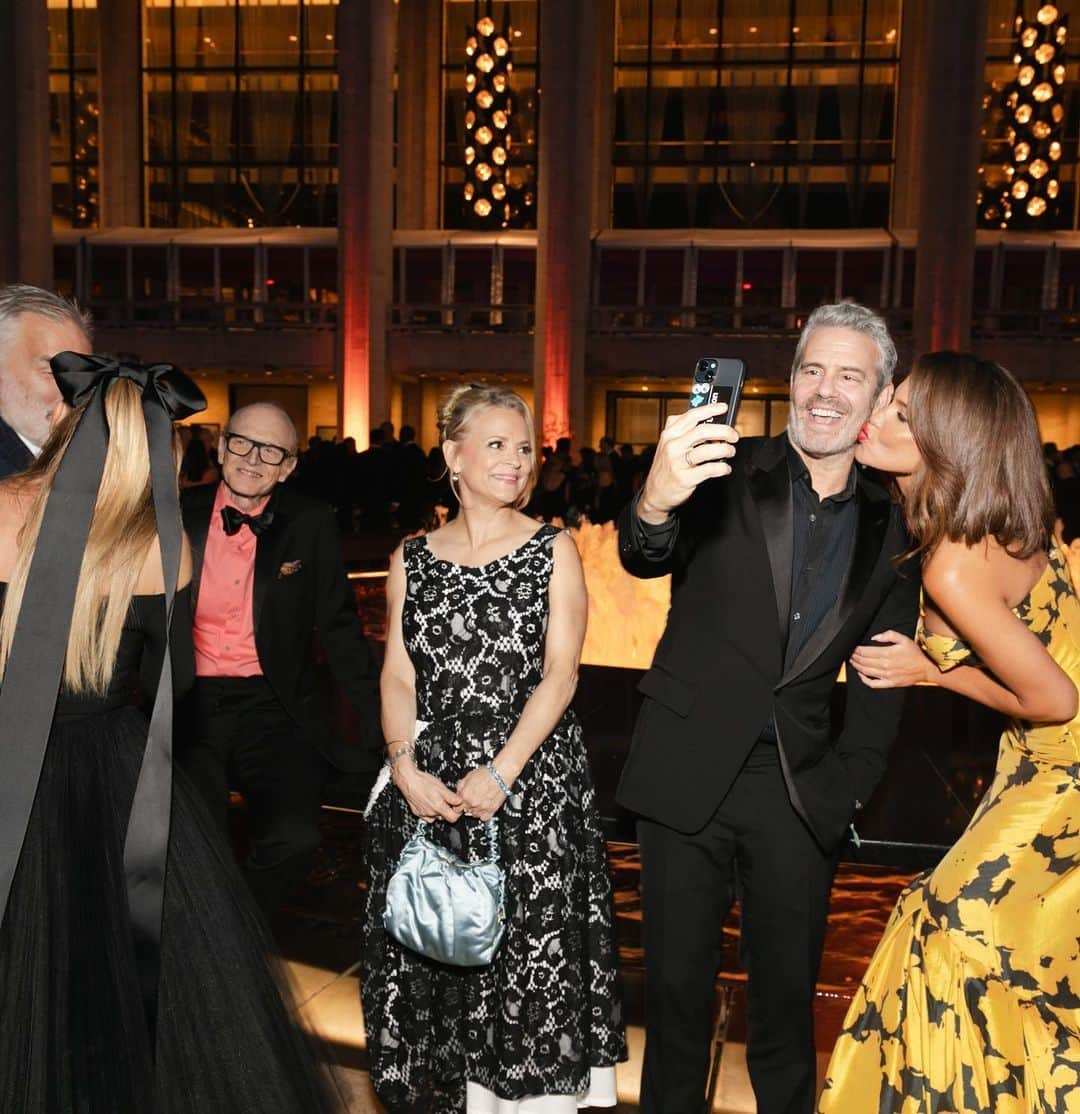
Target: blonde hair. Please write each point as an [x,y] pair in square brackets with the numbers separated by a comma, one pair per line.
[121,532]
[462,404]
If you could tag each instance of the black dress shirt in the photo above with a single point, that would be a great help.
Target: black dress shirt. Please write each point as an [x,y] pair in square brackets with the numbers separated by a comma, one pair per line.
[824,532]
[823,536]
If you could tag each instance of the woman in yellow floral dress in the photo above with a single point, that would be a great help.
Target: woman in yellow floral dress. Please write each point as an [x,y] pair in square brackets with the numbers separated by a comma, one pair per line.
[971,1003]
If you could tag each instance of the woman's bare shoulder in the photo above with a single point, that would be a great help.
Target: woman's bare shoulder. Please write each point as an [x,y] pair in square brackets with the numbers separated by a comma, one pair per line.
[151,580]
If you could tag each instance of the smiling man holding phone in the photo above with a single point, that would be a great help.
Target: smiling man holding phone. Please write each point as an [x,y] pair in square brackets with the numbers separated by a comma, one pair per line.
[783,560]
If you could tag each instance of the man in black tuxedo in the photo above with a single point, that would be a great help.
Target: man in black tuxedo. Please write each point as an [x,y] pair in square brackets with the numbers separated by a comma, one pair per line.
[35,324]
[783,560]
[268,581]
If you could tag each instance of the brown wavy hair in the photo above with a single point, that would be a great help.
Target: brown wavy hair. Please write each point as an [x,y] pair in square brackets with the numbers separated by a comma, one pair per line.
[982,474]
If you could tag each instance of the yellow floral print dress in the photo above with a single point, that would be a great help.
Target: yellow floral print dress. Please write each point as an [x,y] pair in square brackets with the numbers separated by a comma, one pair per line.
[971,1003]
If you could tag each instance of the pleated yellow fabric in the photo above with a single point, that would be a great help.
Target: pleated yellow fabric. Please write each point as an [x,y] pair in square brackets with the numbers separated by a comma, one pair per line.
[971,1003]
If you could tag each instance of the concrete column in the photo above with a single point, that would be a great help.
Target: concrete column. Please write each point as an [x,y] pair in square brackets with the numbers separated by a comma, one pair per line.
[419,113]
[366,44]
[26,212]
[570,77]
[904,200]
[119,81]
[603,149]
[950,79]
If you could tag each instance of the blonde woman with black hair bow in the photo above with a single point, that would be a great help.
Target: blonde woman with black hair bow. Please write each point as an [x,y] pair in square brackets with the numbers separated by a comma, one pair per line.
[486,622]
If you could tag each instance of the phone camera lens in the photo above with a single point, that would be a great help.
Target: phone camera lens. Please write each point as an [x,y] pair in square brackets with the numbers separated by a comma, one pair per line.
[712,364]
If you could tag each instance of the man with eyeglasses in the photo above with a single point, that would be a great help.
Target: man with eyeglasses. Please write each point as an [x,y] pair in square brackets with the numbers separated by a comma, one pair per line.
[268,581]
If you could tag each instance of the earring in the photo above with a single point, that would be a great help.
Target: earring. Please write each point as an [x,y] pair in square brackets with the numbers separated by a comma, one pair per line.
[456,476]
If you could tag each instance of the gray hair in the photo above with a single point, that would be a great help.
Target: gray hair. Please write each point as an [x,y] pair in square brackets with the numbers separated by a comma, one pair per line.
[18,298]
[851,315]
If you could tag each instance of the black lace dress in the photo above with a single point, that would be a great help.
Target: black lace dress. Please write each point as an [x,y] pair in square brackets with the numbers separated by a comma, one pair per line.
[73,1034]
[548,1009]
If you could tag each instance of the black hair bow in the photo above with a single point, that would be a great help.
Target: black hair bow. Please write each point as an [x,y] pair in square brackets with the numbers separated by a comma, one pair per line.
[35,664]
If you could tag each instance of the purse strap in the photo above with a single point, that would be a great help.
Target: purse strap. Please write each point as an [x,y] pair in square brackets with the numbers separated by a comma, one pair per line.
[490,826]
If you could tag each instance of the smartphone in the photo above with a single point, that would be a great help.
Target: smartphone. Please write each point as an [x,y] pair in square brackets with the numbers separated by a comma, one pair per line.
[719,379]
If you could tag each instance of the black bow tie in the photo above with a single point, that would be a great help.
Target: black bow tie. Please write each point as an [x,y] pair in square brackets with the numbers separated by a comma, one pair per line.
[232,519]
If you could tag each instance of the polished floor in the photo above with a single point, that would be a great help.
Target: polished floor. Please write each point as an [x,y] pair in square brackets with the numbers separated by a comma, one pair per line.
[320,940]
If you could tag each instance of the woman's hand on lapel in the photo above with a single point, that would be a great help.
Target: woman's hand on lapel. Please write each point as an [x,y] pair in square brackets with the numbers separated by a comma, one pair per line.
[691,450]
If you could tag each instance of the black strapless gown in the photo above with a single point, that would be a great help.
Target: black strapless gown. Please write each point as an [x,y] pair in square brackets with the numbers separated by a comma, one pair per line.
[73,1034]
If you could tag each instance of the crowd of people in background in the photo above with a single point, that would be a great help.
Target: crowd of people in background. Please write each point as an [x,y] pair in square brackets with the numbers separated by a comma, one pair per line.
[394,483]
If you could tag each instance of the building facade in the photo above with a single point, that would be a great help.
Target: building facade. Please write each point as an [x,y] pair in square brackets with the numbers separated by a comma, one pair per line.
[349,206]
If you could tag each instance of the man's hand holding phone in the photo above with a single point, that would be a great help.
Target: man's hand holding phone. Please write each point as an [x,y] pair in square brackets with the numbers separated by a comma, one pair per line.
[691,450]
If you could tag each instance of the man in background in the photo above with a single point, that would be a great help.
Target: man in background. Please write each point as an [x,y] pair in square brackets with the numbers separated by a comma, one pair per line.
[269,582]
[34,326]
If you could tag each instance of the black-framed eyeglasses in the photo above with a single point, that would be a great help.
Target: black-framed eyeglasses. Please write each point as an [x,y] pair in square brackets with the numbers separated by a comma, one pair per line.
[239,445]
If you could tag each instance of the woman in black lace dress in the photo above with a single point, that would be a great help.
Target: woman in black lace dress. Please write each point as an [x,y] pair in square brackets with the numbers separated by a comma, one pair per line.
[111,1003]
[486,622]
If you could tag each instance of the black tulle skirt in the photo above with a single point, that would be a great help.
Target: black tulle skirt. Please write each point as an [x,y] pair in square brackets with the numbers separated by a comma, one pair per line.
[73,1034]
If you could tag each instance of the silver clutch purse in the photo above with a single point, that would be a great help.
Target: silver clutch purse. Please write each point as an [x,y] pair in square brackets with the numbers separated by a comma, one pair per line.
[444,908]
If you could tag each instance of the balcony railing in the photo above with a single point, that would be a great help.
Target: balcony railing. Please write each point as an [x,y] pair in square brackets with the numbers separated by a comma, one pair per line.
[651,282]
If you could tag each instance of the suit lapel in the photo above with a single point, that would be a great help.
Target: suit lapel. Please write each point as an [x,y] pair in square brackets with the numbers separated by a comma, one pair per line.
[197,524]
[268,554]
[770,487]
[873,523]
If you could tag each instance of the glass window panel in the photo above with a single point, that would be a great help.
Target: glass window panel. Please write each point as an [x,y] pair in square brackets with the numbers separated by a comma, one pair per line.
[618,278]
[519,276]
[158,116]
[520,17]
[980,292]
[320,28]
[108,273]
[815,278]
[423,280]
[882,28]
[237,273]
[861,279]
[472,276]
[196,266]
[637,420]
[323,268]
[157,34]
[664,278]
[761,281]
[1022,279]
[65,265]
[148,273]
[269,34]
[716,278]
[205,34]
[707,135]
[673,405]
[320,122]
[285,275]
[1069,281]
[160,194]
[205,117]
[750,421]
[73,112]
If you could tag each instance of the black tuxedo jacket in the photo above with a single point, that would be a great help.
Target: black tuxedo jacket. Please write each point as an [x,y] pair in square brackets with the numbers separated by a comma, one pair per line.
[301,593]
[14,455]
[718,675]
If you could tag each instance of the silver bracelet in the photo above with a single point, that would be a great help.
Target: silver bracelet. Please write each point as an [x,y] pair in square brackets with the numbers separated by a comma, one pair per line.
[490,767]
